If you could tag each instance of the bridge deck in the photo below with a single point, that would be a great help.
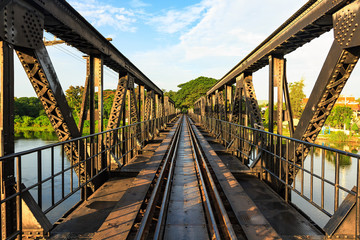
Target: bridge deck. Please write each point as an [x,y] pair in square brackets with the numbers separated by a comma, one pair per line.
[111,211]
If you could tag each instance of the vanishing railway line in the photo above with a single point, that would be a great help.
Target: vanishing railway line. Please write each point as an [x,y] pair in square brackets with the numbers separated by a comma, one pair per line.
[185,200]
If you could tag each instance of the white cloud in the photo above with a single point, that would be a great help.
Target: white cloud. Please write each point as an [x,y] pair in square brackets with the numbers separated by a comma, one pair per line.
[216,39]
[106,15]
[138,4]
[177,20]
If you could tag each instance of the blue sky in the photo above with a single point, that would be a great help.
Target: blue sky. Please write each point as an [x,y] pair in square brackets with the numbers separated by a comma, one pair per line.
[175,41]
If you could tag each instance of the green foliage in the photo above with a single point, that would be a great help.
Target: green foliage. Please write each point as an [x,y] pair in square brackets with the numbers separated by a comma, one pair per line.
[296,97]
[74,97]
[338,136]
[355,128]
[339,116]
[191,91]
[28,106]
[108,101]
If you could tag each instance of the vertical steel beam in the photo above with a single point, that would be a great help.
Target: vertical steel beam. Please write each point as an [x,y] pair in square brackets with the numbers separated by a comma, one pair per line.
[236,114]
[229,97]
[99,81]
[8,209]
[156,112]
[85,96]
[142,102]
[279,73]
[91,76]
[288,104]
[271,94]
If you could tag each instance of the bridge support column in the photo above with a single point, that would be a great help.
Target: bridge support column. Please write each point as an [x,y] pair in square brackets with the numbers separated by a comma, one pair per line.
[228,97]
[84,101]
[156,113]
[142,109]
[99,82]
[7,171]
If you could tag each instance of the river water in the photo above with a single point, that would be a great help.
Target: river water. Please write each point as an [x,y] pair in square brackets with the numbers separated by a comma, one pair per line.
[27,141]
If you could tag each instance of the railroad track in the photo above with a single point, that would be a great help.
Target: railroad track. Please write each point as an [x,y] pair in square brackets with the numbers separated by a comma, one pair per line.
[185,200]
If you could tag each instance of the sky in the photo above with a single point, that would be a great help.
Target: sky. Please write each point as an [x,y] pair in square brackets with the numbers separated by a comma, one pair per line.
[174,41]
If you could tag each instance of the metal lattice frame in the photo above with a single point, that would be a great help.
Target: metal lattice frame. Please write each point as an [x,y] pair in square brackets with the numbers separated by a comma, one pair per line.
[43,78]
[252,104]
[118,103]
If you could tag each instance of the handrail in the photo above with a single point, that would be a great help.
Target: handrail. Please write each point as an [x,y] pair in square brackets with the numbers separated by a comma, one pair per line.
[280,169]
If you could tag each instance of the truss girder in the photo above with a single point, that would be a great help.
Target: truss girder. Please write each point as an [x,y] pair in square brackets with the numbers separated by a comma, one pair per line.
[221,105]
[148,105]
[332,79]
[118,103]
[335,72]
[252,104]
[309,22]
[237,102]
[41,73]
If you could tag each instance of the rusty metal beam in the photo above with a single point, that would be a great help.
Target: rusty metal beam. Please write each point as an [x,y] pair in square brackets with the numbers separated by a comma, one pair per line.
[85,96]
[332,79]
[66,23]
[42,75]
[7,170]
[118,103]
[99,81]
[309,22]
[251,103]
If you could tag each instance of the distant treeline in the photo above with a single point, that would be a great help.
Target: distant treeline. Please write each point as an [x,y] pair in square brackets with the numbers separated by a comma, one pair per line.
[30,114]
[191,91]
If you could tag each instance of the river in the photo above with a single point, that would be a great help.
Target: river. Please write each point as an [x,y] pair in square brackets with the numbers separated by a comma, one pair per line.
[30,140]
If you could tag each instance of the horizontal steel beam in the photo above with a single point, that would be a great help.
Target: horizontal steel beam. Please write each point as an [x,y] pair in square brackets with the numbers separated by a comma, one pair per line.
[309,22]
[66,23]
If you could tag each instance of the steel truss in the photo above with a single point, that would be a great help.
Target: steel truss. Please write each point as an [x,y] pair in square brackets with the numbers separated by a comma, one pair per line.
[312,20]
[23,25]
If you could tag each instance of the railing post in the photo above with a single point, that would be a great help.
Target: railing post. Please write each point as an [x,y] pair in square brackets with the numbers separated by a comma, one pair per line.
[8,219]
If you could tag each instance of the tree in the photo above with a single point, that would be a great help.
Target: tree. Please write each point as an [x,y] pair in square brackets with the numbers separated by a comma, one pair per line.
[296,97]
[355,128]
[191,91]
[74,97]
[339,116]
[28,106]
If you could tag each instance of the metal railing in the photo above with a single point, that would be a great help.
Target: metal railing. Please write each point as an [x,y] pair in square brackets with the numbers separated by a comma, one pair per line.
[318,181]
[54,169]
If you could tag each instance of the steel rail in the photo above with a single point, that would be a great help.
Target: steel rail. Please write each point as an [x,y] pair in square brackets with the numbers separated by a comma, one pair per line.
[213,229]
[308,23]
[159,230]
[200,161]
[147,218]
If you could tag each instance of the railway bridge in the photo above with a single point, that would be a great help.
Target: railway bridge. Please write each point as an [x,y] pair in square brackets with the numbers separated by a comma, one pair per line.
[149,172]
